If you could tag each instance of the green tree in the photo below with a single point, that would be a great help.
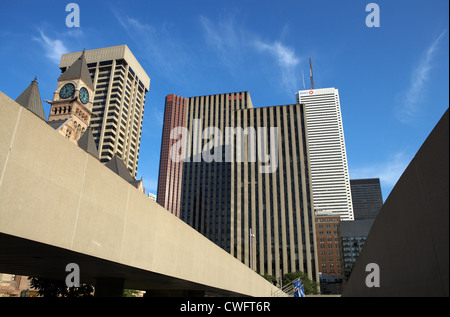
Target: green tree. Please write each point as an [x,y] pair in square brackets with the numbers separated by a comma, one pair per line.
[310,287]
[272,279]
[130,293]
[55,288]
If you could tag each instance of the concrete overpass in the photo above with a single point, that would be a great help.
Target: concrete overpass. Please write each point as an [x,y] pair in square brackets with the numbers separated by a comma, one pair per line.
[60,205]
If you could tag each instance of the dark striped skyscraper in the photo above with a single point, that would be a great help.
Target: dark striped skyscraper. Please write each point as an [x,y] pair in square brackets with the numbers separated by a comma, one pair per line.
[244,178]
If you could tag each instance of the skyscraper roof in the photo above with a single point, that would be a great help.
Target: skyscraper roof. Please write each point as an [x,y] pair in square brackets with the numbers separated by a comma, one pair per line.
[77,70]
[31,100]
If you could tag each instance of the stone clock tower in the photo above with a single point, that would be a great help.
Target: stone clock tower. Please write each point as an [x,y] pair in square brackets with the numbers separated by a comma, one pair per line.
[71,108]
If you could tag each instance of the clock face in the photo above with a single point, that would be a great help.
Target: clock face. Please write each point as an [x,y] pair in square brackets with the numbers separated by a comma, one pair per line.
[84,95]
[67,91]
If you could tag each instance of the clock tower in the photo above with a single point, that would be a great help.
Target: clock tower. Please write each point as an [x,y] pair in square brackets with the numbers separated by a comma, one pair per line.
[71,108]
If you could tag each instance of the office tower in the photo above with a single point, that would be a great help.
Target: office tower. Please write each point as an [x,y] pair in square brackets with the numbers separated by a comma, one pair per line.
[367,198]
[120,86]
[354,234]
[329,244]
[152,196]
[169,178]
[245,180]
[329,170]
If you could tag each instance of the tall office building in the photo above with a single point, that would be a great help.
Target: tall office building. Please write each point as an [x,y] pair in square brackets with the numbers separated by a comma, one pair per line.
[367,198]
[169,179]
[329,170]
[354,235]
[330,258]
[120,85]
[244,179]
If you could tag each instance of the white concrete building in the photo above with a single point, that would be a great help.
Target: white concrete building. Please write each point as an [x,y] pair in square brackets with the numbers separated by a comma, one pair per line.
[329,169]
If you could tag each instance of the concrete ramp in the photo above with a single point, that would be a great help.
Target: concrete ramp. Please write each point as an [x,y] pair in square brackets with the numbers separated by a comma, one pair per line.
[60,205]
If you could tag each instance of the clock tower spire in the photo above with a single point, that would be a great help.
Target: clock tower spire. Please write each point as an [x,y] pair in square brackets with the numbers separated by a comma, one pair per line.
[71,108]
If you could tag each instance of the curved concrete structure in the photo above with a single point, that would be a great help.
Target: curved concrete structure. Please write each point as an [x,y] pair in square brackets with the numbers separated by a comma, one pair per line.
[409,240]
[60,205]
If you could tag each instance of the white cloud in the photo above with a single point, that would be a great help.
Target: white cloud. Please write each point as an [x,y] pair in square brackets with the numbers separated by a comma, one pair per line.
[284,55]
[227,40]
[160,46]
[411,99]
[54,48]
[285,58]
[235,45]
[388,172]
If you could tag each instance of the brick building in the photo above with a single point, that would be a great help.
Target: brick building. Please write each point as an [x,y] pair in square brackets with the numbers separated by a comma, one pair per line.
[328,244]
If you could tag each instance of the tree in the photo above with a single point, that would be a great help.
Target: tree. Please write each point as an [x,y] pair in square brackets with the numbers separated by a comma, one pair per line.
[55,288]
[272,279]
[130,293]
[310,287]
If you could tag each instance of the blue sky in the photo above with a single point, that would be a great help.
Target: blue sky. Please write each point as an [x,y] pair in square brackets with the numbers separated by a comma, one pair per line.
[393,80]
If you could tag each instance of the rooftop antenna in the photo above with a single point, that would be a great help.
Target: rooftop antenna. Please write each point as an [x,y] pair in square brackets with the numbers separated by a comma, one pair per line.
[311,73]
[303,77]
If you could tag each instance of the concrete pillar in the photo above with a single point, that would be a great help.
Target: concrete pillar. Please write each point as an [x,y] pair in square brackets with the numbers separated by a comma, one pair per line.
[109,287]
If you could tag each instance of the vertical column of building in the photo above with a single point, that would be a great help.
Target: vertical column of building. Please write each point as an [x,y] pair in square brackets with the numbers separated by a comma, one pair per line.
[170,171]
[228,191]
[102,109]
[133,125]
[186,197]
[310,260]
[261,234]
[181,122]
[282,187]
[288,163]
[196,128]
[102,99]
[269,232]
[139,116]
[217,171]
[344,157]
[127,111]
[253,191]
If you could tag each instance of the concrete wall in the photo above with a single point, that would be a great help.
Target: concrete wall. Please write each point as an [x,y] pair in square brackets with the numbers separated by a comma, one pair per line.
[409,240]
[53,192]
